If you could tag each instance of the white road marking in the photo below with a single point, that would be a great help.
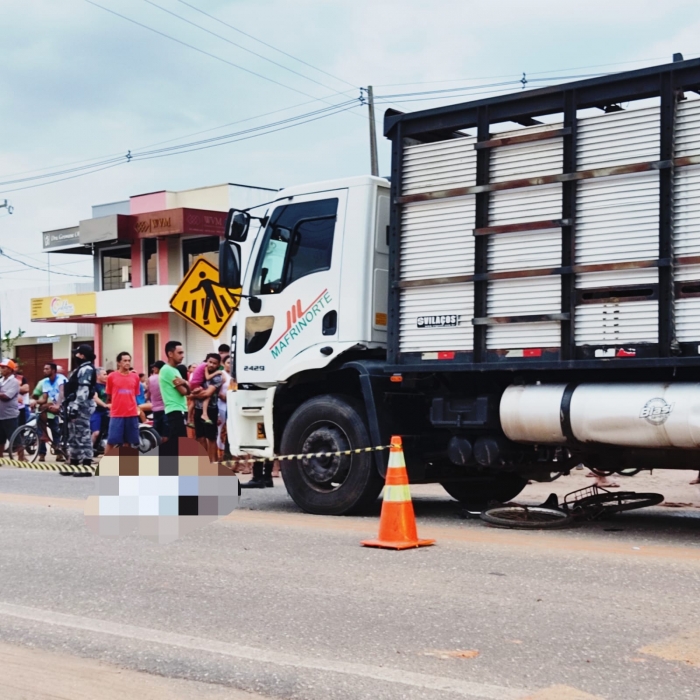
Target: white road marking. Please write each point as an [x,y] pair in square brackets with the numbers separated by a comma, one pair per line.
[458,686]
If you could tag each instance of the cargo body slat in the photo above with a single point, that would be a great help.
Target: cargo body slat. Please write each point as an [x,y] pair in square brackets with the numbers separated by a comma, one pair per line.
[561,237]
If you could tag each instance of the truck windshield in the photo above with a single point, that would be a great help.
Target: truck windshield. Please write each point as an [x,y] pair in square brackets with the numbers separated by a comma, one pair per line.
[282,260]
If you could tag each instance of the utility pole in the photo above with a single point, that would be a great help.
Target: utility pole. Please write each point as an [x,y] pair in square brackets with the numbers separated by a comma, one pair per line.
[372,133]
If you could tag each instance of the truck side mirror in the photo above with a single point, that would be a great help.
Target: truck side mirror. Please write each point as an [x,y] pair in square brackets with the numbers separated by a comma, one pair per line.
[229,265]
[237,225]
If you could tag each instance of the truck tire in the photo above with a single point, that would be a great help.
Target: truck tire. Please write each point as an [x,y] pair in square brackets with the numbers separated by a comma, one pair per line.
[337,485]
[478,491]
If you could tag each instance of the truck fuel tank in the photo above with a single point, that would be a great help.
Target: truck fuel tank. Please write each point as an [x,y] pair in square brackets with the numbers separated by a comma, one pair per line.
[651,415]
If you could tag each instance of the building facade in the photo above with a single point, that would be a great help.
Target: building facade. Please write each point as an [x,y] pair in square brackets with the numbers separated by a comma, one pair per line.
[142,248]
[34,343]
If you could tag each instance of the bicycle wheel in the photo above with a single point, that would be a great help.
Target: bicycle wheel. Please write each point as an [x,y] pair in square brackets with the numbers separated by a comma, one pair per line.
[527,517]
[604,504]
[24,444]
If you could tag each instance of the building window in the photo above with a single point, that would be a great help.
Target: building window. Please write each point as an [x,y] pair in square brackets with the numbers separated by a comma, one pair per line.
[116,268]
[150,261]
[206,246]
[152,354]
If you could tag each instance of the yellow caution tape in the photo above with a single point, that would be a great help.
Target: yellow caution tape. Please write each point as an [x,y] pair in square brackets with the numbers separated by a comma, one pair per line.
[45,466]
[342,453]
[61,467]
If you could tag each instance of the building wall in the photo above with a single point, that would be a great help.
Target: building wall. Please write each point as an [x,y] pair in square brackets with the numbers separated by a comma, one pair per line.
[116,338]
[110,208]
[142,326]
[209,198]
[128,315]
[153,201]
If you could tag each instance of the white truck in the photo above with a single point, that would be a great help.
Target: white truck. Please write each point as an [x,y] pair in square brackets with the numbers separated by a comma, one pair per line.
[521,297]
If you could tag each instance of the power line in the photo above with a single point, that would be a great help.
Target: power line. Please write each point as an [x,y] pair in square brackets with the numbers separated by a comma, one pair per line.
[91,162]
[245,138]
[40,257]
[41,269]
[21,269]
[544,72]
[116,161]
[193,146]
[243,48]
[432,99]
[158,143]
[448,80]
[449,90]
[260,41]
[202,51]
[607,65]
[325,111]
[469,88]
[70,177]
[95,166]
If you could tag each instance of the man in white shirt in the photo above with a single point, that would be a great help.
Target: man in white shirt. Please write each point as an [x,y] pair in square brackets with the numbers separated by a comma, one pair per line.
[9,408]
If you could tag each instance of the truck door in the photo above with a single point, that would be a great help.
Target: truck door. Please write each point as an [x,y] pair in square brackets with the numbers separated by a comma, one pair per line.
[295,274]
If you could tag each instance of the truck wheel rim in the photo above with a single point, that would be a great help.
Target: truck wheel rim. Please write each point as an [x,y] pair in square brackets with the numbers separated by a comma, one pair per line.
[325,473]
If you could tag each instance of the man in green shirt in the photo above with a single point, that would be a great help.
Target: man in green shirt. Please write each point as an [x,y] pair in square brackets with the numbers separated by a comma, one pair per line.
[173,389]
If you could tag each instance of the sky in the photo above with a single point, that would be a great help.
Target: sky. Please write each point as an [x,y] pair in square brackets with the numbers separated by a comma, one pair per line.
[80,83]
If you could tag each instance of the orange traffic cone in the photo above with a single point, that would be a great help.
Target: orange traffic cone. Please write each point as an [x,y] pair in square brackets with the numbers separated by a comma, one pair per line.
[397,524]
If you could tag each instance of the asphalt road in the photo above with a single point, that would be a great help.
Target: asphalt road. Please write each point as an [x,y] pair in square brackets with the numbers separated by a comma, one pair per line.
[270,602]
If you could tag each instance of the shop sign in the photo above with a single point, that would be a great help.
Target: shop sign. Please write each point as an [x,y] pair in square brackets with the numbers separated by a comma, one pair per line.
[61,237]
[63,307]
[178,221]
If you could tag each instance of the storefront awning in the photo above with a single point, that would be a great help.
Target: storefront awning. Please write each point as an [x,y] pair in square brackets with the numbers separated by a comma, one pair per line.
[105,229]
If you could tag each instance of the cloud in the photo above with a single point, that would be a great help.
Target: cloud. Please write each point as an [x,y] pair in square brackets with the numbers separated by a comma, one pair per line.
[79,82]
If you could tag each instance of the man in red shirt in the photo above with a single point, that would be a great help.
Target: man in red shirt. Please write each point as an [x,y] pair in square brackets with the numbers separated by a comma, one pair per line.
[122,389]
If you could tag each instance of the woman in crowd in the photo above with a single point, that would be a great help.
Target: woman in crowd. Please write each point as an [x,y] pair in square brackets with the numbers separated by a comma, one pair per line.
[155,398]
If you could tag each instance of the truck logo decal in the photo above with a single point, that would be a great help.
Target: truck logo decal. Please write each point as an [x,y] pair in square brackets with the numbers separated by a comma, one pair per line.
[619,352]
[298,320]
[444,321]
[656,411]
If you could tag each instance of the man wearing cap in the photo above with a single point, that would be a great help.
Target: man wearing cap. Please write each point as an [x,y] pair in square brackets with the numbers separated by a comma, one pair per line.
[79,391]
[9,408]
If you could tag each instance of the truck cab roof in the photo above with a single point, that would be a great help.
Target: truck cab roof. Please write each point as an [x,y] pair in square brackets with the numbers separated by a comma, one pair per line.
[328,185]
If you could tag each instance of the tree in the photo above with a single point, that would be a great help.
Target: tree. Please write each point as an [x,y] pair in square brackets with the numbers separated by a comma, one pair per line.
[8,342]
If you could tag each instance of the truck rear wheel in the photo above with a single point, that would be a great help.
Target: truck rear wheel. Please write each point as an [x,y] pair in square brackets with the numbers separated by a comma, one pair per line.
[478,491]
[336,485]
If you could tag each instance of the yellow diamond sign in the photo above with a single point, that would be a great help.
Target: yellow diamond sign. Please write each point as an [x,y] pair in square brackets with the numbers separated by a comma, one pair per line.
[202,301]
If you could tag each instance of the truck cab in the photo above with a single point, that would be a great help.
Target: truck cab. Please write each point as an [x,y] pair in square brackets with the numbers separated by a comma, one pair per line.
[314,283]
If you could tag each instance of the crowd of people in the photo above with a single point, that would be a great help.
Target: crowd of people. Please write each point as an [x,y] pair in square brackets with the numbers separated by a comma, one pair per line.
[79,413]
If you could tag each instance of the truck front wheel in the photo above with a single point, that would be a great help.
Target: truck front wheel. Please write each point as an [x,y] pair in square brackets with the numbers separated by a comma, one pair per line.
[336,485]
[478,491]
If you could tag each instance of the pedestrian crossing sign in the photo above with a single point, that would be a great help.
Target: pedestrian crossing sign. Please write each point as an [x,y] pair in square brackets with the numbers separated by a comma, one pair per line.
[202,301]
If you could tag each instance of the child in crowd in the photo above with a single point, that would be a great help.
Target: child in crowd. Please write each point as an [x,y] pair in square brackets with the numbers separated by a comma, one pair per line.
[205,402]
[198,377]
